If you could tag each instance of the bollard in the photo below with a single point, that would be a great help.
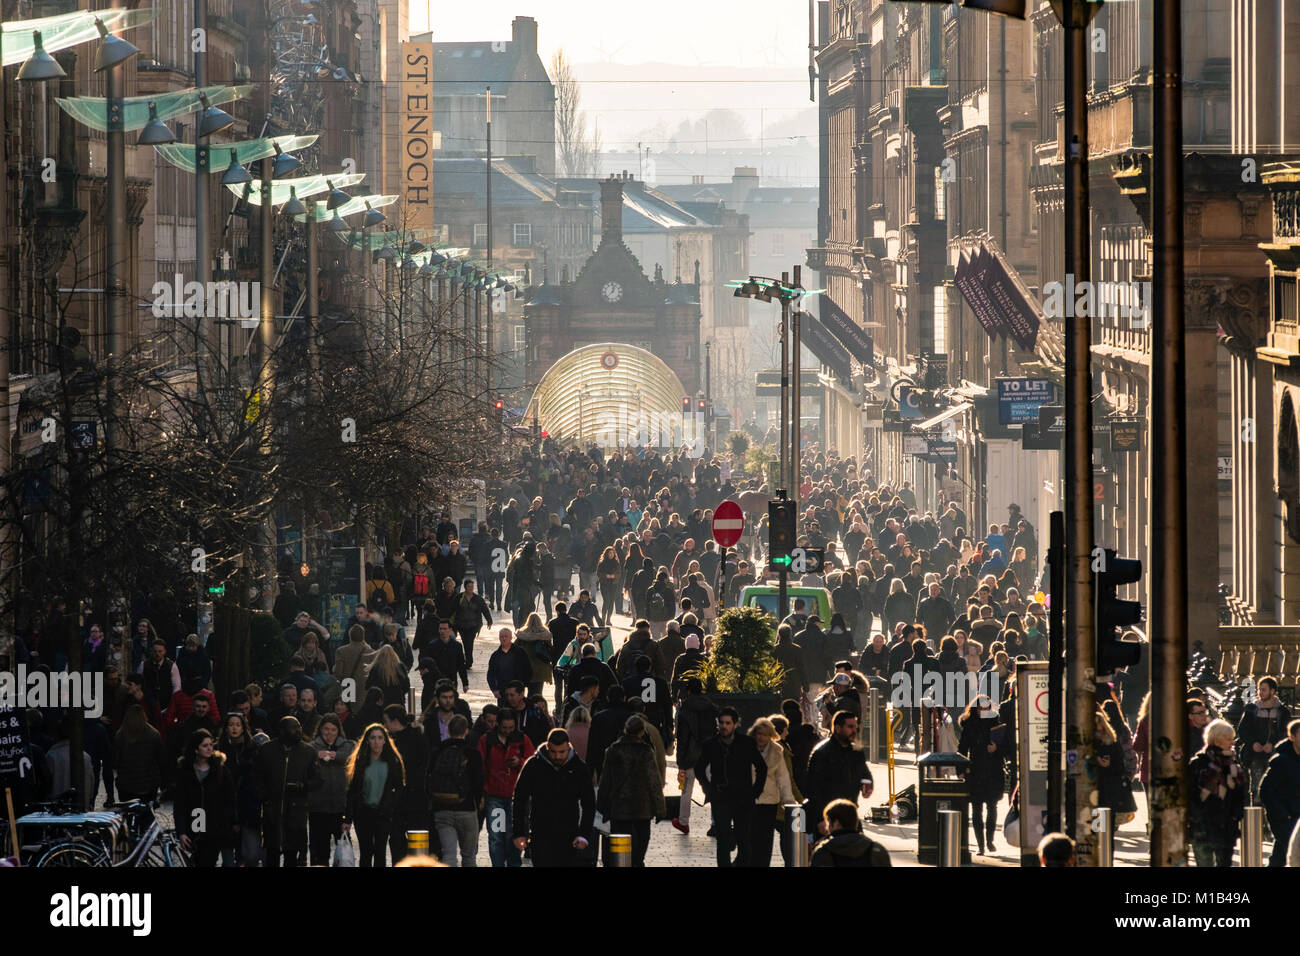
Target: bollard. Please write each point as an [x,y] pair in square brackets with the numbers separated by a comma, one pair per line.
[800,851]
[951,837]
[873,702]
[417,841]
[1252,838]
[618,850]
[1101,825]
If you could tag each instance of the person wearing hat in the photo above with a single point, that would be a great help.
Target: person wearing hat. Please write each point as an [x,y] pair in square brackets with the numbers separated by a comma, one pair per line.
[631,792]
[686,662]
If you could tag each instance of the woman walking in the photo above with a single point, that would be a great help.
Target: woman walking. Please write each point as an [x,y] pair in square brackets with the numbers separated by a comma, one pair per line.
[376,780]
[985,780]
[1218,797]
[206,805]
[327,804]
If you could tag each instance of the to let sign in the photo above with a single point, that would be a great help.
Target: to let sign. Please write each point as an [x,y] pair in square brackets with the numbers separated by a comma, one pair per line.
[1019,399]
[417,135]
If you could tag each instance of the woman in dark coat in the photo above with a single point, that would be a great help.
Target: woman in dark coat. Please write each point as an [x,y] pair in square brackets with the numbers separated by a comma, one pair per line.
[1111,778]
[839,641]
[1216,797]
[985,779]
[376,781]
[388,673]
[206,803]
[237,746]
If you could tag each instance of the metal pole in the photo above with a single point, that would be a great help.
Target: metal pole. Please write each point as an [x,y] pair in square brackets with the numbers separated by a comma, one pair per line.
[488,125]
[873,708]
[785,390]
[796,403]
[117,260]
[202,187]
[1105,847]
[1055,667]
[618,850]
[6,329]
[1252,838]
[798,835]
[782,576]
[1078,437]
[950,837]
[1168,447]
[313,298]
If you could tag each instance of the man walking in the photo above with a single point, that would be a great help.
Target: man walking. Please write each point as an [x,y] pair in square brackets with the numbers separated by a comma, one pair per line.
[836,769]
[631,790]
[503,754]
[455,788]
[554,804]
[732,773]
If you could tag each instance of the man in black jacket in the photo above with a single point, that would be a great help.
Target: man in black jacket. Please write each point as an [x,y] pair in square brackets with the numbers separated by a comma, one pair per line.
[654,693]
[1279,792]
[554,803]
[606,727]
[563,628]
[448,655]
[836,770]
[845,845]
[591,666]
[508,663]
[471,613]
[732,773]
[413,811]
[284,770]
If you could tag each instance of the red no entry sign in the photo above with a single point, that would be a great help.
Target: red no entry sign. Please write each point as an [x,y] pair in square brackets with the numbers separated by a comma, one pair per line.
[728,523]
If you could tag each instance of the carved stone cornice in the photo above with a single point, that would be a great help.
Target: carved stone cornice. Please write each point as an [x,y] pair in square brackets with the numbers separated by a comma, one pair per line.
[1239,309]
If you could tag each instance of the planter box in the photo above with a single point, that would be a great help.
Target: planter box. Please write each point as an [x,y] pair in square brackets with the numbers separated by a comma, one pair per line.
[751,706]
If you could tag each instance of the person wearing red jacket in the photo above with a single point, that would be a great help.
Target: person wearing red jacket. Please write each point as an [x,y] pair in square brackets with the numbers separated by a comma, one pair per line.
[504,753]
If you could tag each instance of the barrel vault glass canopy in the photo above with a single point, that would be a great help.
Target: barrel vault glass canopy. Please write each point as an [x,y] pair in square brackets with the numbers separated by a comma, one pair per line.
[612,394]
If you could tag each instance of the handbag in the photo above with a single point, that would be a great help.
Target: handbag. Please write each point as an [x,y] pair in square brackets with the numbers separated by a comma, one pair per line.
[344,854]
[1011,827]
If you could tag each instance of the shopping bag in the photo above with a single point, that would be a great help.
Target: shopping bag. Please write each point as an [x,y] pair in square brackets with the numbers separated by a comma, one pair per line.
[344,854]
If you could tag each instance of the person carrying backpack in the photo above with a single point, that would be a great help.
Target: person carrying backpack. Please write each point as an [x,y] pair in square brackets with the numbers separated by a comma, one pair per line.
[660,603]
[455,789]
[844,845]
[640,643]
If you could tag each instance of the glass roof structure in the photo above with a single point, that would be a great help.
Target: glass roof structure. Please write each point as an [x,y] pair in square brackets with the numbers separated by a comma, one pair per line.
[613,394]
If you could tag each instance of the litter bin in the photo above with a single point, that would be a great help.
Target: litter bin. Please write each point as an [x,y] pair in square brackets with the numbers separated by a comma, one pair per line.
[942,786]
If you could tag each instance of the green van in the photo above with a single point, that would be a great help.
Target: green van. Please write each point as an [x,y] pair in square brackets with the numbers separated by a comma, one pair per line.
[768,597]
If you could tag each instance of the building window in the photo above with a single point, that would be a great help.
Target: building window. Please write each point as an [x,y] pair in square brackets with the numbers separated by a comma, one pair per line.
[778,243]
[523,234]
[940,194]
[480,235]
[521,337]
[940,321]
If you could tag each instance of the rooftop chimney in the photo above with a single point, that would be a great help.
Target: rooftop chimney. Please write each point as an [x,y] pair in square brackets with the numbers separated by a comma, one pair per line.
[524,33]
[611,210]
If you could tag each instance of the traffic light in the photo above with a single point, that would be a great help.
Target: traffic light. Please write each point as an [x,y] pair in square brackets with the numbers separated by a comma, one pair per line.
[686,404]
[1114,616]
[499,405]
[699,404]
[780,532]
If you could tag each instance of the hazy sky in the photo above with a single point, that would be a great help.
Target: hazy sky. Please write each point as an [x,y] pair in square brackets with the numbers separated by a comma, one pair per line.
[692,32]
[765,43]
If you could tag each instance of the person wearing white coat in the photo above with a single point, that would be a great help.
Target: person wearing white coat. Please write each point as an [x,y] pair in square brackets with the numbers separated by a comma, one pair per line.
[777,791]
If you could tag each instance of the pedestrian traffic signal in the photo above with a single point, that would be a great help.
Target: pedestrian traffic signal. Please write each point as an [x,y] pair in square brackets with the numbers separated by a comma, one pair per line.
[1114,616]
[686,404]
[700,404]
[780,532]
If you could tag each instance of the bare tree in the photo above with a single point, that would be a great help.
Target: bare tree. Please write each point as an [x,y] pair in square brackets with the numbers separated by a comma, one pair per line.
[577,149]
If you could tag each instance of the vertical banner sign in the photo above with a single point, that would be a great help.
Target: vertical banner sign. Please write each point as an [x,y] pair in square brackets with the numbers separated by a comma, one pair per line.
[1032,686]
[417,135]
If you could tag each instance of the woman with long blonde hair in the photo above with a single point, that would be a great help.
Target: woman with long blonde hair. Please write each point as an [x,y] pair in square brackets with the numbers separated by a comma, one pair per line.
[376,780]
[389,675]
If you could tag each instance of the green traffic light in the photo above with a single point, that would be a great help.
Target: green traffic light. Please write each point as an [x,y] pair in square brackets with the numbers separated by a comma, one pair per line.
[217,589]
[781,560]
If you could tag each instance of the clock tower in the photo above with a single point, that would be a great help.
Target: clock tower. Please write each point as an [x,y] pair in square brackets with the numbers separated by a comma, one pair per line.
[612,300]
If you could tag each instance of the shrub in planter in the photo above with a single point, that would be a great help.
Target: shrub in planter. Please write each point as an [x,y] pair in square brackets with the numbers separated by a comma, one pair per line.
[268,652]
[741,661]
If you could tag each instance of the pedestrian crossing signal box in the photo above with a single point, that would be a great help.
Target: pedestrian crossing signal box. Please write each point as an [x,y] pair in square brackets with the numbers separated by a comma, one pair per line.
[780,533]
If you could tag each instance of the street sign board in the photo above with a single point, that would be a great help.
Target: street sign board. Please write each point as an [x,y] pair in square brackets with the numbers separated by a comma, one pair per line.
[943,451]
[1019,399]
[909,402]
[14,762]
[1033,438]
[915,445]
[728,523]
[1051,418]
[1125,436]
[1032,693]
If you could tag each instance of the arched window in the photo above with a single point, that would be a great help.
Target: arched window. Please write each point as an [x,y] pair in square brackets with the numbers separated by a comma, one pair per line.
[1288,467]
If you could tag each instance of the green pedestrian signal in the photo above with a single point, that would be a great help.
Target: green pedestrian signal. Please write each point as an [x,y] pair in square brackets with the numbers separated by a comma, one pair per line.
[217,589]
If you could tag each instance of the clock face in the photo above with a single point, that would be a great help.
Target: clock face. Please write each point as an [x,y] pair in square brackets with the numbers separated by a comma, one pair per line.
[611,292]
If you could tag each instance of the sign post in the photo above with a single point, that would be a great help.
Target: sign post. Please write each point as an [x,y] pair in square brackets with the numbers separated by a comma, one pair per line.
[1032,692]
[728,524]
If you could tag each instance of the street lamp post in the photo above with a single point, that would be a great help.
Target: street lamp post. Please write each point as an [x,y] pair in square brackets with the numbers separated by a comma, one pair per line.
[796,405]
[1168,449]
